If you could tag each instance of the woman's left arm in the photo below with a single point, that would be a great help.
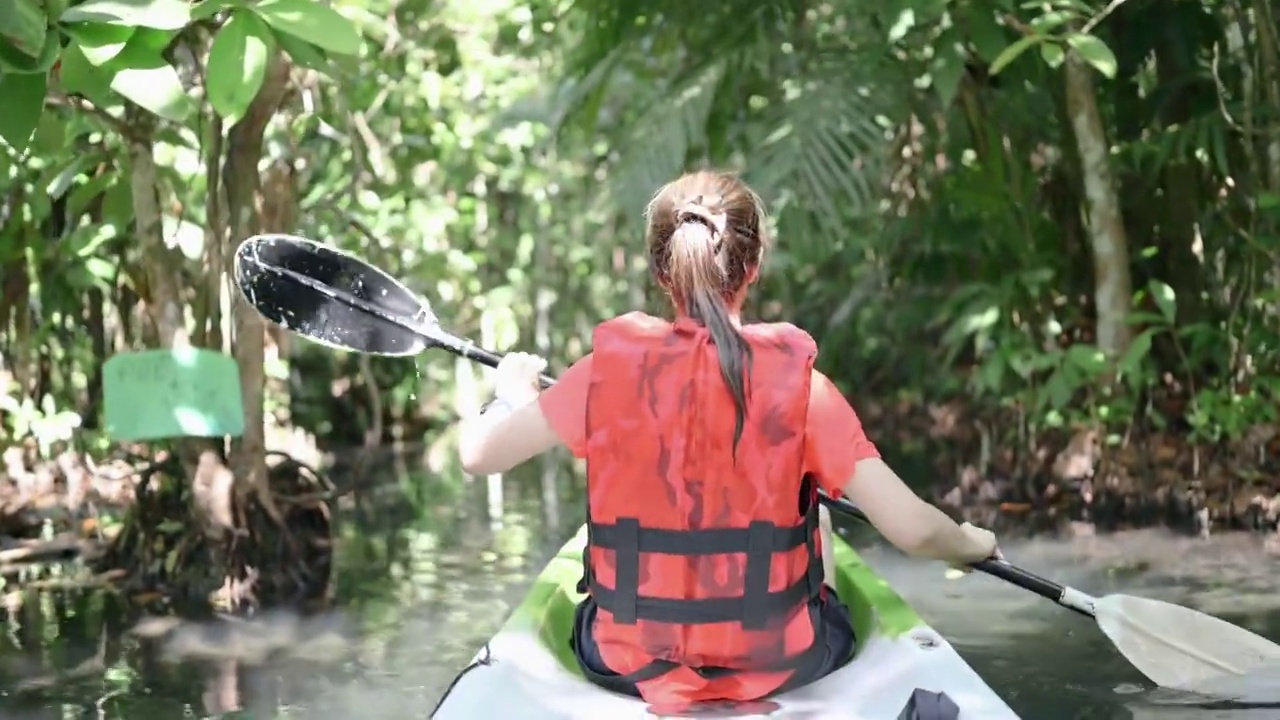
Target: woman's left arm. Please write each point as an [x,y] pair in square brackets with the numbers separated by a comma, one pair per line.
[501,438]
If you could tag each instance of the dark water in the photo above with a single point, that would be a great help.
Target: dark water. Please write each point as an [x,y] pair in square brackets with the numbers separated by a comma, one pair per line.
[427,569]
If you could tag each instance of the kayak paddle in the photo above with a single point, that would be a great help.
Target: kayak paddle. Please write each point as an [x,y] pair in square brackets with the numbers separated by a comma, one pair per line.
[339,300]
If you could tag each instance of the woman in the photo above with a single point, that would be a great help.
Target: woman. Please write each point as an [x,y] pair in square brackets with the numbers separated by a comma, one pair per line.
[706,443]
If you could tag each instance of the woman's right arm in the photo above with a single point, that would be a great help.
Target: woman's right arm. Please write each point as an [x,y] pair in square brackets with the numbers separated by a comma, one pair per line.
[913,525]
[845,461]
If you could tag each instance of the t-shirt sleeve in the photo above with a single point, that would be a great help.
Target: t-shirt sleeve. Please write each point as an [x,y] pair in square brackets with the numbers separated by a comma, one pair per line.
[564,405]
[834,439]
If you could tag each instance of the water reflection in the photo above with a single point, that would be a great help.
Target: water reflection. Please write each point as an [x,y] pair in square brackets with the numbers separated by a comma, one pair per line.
[428,566]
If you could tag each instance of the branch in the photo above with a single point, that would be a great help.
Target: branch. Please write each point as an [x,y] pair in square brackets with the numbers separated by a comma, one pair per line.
[61,99]
[1089,25]
[1097,19]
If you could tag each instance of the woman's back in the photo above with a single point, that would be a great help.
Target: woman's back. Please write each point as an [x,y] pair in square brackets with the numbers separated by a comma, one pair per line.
[661,455]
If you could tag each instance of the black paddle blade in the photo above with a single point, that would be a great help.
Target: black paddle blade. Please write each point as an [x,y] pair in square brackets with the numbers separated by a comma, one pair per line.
[331,297]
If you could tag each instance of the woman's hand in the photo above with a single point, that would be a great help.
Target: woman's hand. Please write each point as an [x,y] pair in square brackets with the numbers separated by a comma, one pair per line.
[981,546]
[516,380]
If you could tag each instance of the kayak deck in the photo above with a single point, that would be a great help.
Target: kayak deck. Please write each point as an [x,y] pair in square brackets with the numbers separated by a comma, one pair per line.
[528,672]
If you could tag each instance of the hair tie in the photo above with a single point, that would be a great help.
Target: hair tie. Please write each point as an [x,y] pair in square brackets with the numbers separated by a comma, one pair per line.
[695,212]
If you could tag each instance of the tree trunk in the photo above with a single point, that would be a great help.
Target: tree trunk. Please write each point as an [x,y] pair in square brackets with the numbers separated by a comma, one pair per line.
[241,180]
[96,320]
[160,265]
[1113,286]
[1269,57]
[215,241]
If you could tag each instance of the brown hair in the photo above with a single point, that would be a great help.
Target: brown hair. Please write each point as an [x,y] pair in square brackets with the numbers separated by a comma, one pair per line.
[706,232]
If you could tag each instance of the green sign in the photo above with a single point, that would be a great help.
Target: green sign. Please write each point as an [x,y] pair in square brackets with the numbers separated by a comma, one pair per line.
[160,394]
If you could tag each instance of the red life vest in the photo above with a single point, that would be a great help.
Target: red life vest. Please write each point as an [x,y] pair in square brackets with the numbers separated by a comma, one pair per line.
[706,566]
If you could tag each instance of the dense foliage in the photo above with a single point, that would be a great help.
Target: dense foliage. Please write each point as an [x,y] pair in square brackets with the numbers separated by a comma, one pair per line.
[1057,212]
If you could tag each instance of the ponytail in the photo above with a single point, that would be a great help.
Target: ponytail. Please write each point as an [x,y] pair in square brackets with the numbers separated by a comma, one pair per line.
[698,278]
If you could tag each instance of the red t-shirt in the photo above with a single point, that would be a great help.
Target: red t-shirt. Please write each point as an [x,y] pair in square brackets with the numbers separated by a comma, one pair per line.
[834,440]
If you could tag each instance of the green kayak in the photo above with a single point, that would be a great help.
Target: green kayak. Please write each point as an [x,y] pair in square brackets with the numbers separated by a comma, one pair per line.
[527,671]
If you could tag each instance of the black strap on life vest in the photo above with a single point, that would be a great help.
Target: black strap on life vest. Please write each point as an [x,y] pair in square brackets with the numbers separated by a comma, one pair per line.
[805,665]
[756,608]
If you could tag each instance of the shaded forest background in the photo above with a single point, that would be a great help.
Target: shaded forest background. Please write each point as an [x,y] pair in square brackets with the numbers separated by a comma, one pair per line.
[1037,242]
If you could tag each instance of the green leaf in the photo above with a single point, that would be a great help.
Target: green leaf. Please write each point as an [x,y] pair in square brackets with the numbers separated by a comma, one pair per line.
[100,42]
[1165,299]
[1095,52]
[304,53]
[1082,8]
[1011,53]
[157,89]
[1044,23]
[947,67]
[906,20]
[24,104]
[50,136]
[170,527]
[1268,201]
[1059,389]
[117,203]
[987,36]
[947,73]
[13,60]
[23,24]
[150,82]
[1087,358]
[80,76]
[237,64]
[82,195]
[209,8]
[1131,362]
[317,24]
[101,269]
[67,176]
[159,14]
[151,39]
[1052,54]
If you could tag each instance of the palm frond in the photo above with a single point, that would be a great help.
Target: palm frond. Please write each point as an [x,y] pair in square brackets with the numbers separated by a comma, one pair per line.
[661,140]
[765,86]
[823,154]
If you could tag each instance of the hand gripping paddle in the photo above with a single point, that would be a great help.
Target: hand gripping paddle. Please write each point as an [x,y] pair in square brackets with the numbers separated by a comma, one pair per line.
[338,300]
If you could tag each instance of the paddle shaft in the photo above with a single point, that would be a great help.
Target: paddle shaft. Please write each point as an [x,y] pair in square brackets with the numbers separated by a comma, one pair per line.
[431,332]
[438,337]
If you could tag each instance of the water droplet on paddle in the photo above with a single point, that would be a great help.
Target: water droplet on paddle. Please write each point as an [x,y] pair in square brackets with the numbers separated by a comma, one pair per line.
[417,373]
